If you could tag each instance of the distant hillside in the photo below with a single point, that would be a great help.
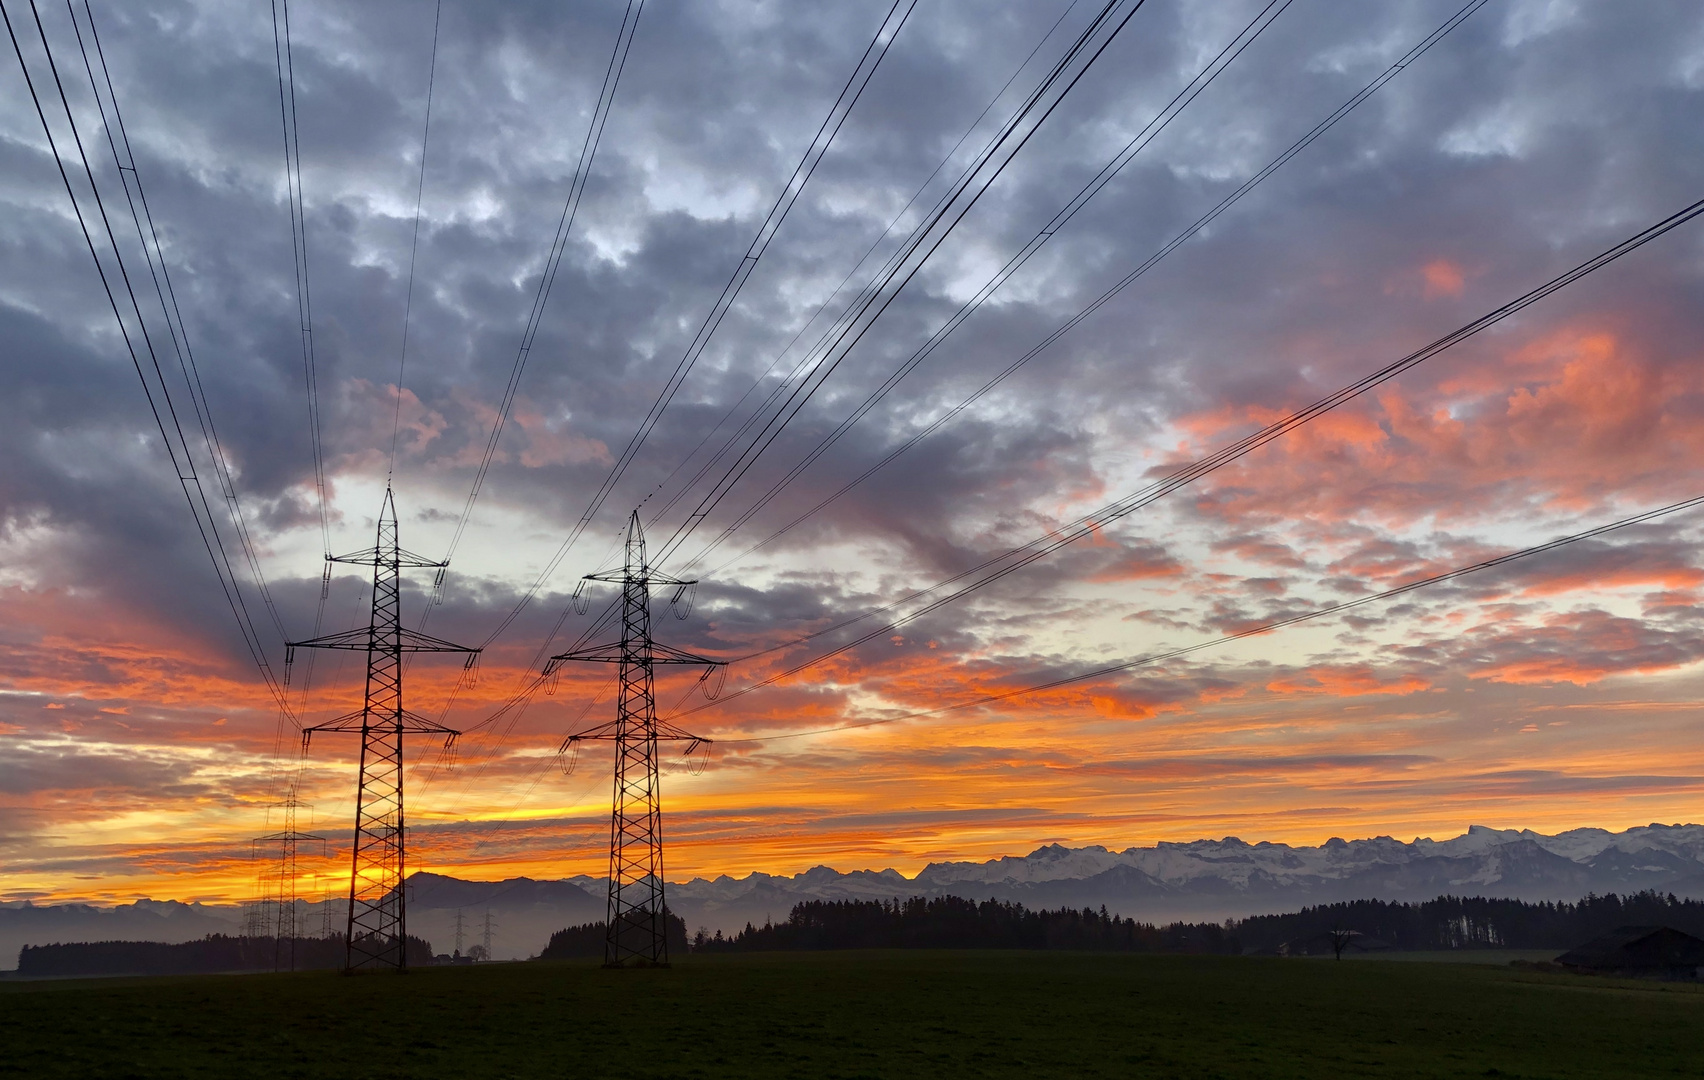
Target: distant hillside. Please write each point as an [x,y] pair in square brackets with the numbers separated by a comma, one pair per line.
[1200,881]
[525,912]
[145,920]
[209,955]
[1211,880]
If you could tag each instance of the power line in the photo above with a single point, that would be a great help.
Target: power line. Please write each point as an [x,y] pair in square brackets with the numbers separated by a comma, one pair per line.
[1204,78]
[547,278]
[1093,40]
[1264,628]
[850,274]
[514,709]
[414,247]
[284,58]
[160,273]
[172,436]
[1020,557]
[830,127]
[1091,43]
[516,705]
[179,333]
[1070,324]
[870,288]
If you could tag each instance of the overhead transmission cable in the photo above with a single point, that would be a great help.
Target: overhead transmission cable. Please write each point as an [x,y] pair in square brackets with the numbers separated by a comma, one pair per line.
[1017,558]
[772,222]
[1070,324]
[816,314]
[1069,68]
[449,753]
[515,707]
[552,262]
[158,392]
[513,710]
[1090,44]
[155,256]
[1253,631]
[874,284]
[414,246]
[1204,78]
[284,59]
[856,82]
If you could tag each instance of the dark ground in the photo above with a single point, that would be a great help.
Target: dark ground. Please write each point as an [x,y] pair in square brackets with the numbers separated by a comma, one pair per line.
[864,1014]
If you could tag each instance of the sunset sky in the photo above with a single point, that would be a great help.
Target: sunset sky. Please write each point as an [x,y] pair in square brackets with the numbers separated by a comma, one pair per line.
[140,750]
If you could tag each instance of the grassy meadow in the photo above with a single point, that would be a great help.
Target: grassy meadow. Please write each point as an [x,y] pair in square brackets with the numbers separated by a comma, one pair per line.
[864,1014]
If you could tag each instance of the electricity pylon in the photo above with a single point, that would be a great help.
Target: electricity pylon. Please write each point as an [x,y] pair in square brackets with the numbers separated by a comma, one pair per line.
[490,927]
[636,929]
[278,883]
[378,910]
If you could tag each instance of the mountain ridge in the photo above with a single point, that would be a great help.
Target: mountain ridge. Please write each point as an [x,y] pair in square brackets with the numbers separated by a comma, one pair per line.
[1196,880]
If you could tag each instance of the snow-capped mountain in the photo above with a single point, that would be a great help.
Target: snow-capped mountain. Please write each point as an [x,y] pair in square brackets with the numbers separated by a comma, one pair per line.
[1199,881]
[1229,878]
[24,923]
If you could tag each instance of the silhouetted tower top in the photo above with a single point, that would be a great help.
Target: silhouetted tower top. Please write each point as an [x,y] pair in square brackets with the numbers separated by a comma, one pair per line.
[637,927]
[378,914]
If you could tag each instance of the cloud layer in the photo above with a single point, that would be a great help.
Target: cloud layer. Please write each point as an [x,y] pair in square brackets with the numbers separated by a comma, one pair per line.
[142,748]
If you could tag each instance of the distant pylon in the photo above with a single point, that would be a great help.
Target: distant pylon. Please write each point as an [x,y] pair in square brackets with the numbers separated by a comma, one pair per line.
[378,910]
[458,931]
[486,938]
[328,914]
[636,925]
[278,881]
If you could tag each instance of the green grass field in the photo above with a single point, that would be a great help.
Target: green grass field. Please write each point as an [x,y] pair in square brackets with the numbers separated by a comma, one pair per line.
[877,1014]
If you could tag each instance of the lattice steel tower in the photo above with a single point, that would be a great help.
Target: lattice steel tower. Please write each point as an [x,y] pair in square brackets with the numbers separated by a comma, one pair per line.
[636,927]
[378,910]
[279,879]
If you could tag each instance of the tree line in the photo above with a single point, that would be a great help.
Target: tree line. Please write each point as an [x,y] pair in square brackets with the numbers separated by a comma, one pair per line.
[950,922]
[587,939]
[1461,922]
[213,953]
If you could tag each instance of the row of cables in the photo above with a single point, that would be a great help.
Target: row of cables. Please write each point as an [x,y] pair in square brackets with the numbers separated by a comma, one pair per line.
[987,165]
[138,288]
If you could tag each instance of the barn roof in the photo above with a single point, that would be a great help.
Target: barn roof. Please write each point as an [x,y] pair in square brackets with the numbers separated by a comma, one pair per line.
[1637,948]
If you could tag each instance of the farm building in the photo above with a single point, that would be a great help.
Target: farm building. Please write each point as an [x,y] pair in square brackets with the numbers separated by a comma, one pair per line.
[1651,952]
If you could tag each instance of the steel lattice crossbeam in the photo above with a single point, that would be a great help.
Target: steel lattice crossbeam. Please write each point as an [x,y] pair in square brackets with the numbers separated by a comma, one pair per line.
[378,914]
[636,922]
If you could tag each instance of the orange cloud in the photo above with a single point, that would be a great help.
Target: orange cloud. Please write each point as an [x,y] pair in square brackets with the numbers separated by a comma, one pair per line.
[1567,420]
[1442,278]
[1346,681]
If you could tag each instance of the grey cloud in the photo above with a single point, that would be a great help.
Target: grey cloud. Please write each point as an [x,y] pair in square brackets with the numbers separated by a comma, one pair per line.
[1517,146]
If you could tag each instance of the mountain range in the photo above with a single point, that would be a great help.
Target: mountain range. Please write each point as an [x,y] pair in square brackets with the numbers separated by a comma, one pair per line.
[1202,880]
[1206,880]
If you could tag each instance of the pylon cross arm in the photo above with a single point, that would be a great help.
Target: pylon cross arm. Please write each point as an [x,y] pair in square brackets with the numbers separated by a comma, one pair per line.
[665,732]
[611,652]
[363,638]
[626,576]
[385,556]
[359,721]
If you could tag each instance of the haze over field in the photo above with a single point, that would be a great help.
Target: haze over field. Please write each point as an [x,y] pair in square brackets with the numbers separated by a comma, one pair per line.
[140,751]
